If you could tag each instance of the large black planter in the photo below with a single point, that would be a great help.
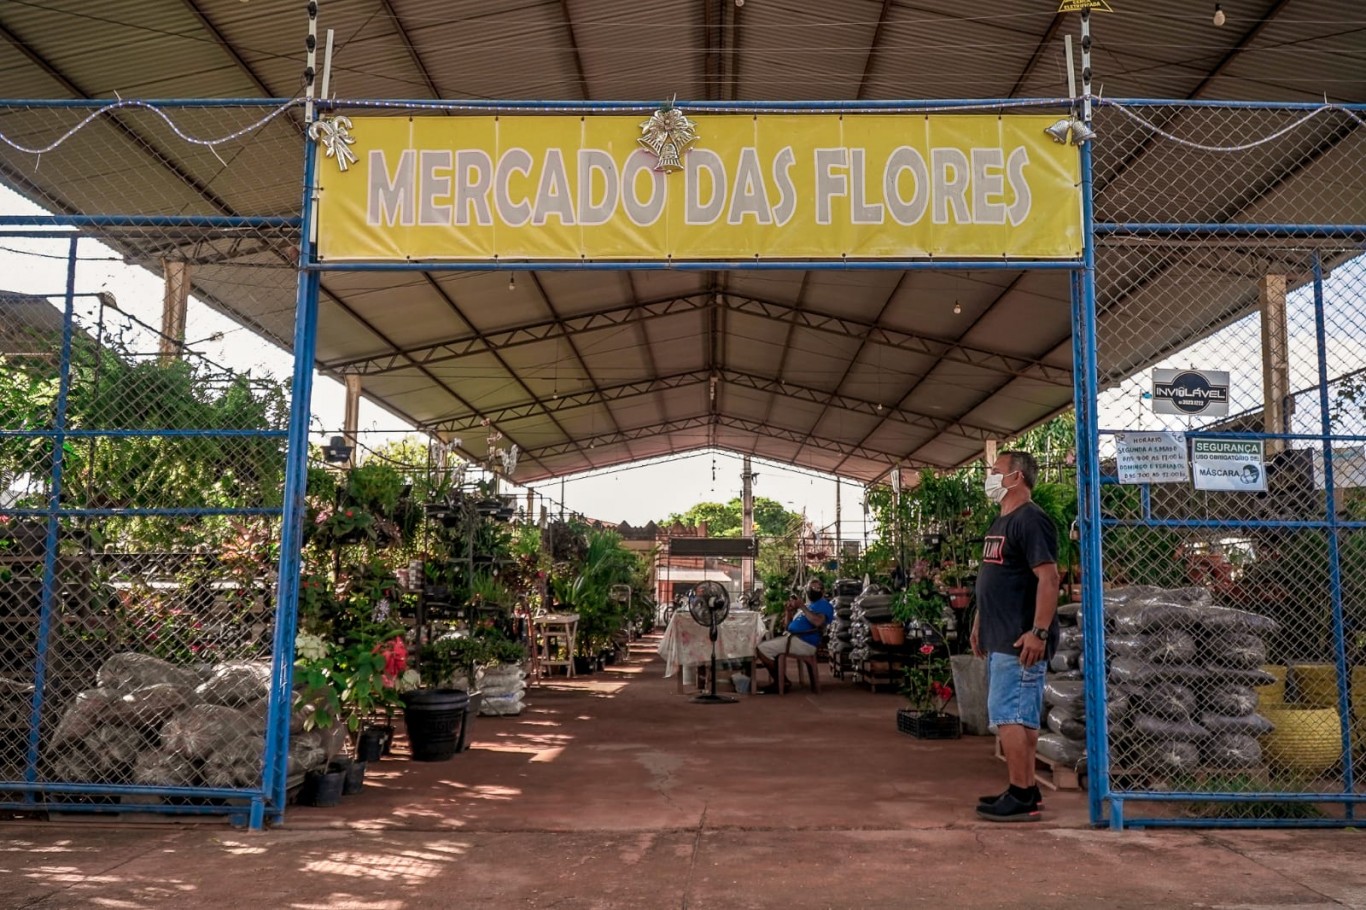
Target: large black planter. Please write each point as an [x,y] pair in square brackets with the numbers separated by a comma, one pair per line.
[434,718]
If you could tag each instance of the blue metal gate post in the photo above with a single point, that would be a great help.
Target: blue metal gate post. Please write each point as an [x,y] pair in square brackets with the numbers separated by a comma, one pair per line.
[276,759]
[1085,393]
[49,595]
[1334,554]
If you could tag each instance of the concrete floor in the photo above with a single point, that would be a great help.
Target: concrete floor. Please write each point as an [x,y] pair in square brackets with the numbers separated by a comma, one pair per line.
[614,791]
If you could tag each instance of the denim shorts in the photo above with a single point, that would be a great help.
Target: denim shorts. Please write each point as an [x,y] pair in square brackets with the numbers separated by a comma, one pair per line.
[1014,692]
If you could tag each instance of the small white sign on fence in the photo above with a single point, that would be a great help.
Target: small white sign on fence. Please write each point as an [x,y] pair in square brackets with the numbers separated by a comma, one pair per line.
[1236,465]
[1152,457]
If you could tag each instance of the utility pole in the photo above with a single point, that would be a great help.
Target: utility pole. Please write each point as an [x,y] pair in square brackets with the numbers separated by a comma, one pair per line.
[747,525]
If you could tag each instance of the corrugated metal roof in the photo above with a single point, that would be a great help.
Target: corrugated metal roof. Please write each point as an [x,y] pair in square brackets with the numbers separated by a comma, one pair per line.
[849,372]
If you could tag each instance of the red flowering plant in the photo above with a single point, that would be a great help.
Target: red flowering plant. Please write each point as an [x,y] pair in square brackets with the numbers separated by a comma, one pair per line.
[926,685]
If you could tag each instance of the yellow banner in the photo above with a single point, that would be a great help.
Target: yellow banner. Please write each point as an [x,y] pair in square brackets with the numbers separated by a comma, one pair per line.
[788,186]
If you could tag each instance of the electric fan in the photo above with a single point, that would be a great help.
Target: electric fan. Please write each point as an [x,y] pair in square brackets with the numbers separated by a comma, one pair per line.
[710,608]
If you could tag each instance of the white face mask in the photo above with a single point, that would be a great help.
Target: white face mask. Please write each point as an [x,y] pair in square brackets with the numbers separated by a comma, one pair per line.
[995,487]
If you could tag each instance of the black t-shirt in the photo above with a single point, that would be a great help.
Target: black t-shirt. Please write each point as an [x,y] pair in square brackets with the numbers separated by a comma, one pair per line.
[1006,584]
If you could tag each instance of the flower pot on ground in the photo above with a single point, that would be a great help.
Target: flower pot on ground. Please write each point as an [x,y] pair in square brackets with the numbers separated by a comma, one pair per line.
[370,746]
[355,778]
[926,688]
[323,788]
[434,718]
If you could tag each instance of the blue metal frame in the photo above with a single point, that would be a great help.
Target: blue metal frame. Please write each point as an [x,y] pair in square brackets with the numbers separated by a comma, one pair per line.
[291,529]
[266,803]
[701,265]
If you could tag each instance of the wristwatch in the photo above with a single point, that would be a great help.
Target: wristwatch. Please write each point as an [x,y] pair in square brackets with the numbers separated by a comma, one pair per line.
[1039,632]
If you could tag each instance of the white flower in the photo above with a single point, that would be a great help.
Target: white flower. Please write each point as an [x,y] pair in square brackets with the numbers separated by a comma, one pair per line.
[309,647]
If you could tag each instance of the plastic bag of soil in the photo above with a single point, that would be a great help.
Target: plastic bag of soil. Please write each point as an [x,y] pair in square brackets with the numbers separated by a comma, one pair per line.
[1238,650]
[1231,701]
[1147,615]
[1061,749]
[1231,752]
[89,711]
[1171,646]
[1118,703]
[200,731]
[1168,700]
[1134,670]
[1241,677]
[151,706]
[111,751]
[1064,661]
[1070,694]
[130,670]
[235,683]
[235,764]
[1231,619]
[1246,725]
[1133,646]
[1165,758]
[1065,723]
[1069,638]
[1069,615]
[162,769]
[503,705]
[1160,728]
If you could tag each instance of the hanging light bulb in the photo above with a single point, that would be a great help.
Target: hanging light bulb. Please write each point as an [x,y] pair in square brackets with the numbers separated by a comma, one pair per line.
[1219,17]
[957,308]
[512,281]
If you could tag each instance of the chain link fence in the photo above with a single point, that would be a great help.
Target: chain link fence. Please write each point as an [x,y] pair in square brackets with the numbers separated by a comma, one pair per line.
[1230,314]
[141,485]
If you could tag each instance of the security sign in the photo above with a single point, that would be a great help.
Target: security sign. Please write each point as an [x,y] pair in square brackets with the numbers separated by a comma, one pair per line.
[1190,393]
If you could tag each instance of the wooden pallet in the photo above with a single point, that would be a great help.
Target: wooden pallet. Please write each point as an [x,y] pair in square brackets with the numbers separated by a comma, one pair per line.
[1050,774]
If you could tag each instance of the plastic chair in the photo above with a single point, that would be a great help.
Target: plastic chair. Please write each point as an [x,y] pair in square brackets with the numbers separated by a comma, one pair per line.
[810,661]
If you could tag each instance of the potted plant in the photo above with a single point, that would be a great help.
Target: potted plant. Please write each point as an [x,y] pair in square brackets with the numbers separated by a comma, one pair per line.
[926,687]
[918,609]
[953,577]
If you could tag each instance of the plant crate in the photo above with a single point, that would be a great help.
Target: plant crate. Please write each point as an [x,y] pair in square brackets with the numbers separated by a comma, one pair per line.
[928,726]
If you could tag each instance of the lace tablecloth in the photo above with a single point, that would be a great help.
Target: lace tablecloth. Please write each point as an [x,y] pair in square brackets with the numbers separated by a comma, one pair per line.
[685,643]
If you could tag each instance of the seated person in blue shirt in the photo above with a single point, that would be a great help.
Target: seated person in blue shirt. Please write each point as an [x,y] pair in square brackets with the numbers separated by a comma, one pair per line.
[803,633]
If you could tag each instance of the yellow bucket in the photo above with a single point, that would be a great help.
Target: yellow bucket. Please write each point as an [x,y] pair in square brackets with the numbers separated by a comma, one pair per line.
[1317,684]
[1273,693]
[1306,740]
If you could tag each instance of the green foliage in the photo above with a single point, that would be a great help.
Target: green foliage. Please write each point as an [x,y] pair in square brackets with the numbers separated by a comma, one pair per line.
[918,604]
[726,520]
[375,486]
[458,657]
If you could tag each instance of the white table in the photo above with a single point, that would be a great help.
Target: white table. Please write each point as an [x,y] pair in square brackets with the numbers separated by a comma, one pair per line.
[686,645]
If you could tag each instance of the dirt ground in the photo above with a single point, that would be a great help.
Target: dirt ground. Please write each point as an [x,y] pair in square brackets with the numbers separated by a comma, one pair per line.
[616,791]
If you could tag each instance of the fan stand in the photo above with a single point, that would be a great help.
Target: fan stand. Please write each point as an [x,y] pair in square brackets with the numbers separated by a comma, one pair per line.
[710,697]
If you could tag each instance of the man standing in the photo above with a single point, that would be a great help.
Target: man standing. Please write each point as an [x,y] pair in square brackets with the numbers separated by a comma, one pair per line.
[1016,627]
[803,635]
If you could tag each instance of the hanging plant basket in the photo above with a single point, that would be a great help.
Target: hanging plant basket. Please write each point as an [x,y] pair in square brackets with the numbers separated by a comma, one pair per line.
[926,725]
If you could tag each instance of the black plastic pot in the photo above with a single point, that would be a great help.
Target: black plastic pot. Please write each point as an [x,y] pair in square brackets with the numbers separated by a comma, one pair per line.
[434,718]
[323,788]
[354,778]
[370,746]
[584,666]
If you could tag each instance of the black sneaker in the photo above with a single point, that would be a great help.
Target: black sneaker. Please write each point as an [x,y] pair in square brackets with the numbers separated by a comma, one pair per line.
[1035,793]
[1009,809]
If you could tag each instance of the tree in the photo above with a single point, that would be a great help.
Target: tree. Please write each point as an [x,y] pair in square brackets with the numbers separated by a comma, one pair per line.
[725,520]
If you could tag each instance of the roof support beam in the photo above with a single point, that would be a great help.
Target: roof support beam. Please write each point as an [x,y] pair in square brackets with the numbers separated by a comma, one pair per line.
[408,46]
[873,47]
[703,422]
[930,346]
[862,406]
[502,339]
[585,398]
